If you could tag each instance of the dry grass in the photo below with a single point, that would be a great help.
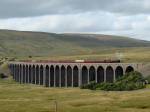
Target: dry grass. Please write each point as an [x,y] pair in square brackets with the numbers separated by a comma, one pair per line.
[141,54]
[31,98]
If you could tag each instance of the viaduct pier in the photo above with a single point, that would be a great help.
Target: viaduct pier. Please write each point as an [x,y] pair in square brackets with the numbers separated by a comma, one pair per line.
[69,74]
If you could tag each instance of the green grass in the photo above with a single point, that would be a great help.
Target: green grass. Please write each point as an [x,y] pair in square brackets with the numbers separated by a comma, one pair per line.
[31,98]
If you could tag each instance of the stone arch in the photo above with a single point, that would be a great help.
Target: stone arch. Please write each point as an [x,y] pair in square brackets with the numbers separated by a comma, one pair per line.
[129,69]
[13,69]
[20,73]
[84,75]
[57,73]
[109,74]
[75,76]
[24,71]
[63,76]
[41,74]
[69,76]
[17,73]
[27,73]
[92,74]
[119,72]
[30,74]
[12,66]
[37,74]
[47,76]
[100,74]
[52,76]
[33,74]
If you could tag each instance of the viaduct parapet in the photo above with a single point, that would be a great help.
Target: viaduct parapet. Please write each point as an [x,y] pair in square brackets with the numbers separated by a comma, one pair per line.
[55,74]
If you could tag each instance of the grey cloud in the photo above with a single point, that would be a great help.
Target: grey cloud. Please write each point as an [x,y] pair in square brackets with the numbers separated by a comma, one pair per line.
[28,8]
[91,22]
[62,23]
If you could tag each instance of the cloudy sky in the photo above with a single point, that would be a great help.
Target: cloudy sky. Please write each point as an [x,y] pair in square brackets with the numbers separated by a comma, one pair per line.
[119,17]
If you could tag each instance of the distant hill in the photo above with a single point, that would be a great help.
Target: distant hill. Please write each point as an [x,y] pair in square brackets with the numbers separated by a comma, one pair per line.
[21,43]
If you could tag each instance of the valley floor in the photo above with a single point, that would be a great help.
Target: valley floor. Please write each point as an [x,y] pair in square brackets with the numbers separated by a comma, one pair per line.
[16,97]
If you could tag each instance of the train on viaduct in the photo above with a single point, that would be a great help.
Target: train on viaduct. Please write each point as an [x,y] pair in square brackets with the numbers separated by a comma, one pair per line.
[69,73]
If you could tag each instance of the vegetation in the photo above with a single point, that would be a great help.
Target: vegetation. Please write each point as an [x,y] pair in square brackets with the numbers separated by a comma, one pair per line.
[2,76]
[16,97]
[148,79]
[29,45]
[130,81]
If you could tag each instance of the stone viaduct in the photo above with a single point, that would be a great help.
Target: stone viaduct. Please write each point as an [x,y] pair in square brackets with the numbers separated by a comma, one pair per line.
[68,74]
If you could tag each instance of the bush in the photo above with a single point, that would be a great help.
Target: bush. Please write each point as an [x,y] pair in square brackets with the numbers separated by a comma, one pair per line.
[91,85]
[130,81]
[2,76]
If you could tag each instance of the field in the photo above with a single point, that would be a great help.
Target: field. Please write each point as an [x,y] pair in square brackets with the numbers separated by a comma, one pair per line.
[32,98]
[141,54]
[40,45]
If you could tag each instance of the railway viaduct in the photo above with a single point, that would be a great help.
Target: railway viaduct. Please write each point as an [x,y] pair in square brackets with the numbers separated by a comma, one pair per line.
[68,74]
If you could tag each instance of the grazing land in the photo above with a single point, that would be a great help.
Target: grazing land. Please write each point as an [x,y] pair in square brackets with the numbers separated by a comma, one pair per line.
[32,98]
[136,54]
[40,45]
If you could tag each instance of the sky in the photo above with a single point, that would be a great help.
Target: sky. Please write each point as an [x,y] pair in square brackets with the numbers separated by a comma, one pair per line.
[113,17]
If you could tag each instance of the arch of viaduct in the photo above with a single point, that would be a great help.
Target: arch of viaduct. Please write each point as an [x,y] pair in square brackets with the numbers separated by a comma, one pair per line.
[68,74]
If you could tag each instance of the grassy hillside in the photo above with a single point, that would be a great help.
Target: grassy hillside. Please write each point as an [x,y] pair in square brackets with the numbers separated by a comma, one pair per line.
[32,98]
[58,46]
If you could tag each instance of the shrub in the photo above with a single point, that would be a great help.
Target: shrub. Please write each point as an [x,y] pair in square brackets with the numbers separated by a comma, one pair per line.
[91,85]
[30,56]
[2,76]
[130,81]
